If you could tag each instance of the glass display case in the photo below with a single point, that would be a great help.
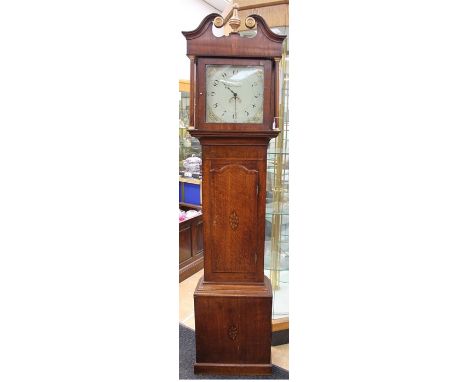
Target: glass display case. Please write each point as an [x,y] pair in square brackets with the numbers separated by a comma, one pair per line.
[277,208]
[277,198]
[188,146]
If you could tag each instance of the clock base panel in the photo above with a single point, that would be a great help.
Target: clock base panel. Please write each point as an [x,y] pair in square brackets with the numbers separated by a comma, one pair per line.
[233,328]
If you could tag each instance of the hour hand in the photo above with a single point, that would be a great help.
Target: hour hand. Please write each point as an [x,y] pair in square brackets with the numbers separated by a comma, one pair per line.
[235,94]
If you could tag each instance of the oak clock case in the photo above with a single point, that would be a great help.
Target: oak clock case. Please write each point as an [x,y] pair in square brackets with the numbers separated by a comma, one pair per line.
[233,84]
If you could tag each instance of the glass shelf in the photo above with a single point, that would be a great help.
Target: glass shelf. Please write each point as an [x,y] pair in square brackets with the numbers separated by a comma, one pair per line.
[188,145]
[282,265]
[270,210]
[280,213]
[281,295]
[277,207]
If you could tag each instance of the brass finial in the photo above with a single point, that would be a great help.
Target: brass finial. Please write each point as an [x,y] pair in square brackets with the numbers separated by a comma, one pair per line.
[234,21]
[231,16]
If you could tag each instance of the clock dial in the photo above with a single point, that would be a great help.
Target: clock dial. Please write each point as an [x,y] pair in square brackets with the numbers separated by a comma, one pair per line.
[234,94]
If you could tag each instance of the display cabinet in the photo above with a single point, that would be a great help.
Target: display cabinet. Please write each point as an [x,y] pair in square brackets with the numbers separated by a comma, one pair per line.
[190,187]
[277,198]
[190,243]
[277,209]
[190,230]
[188,145]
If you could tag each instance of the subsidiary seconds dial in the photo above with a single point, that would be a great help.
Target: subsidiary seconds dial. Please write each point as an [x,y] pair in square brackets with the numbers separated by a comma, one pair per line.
[234,94]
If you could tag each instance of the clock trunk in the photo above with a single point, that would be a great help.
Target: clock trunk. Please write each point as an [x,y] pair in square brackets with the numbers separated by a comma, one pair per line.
[234,211]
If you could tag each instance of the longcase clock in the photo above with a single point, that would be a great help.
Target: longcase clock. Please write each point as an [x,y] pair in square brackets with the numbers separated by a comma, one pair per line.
[234,104]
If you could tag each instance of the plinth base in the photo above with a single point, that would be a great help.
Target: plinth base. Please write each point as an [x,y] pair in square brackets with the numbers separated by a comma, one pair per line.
[232,369]
[233,328]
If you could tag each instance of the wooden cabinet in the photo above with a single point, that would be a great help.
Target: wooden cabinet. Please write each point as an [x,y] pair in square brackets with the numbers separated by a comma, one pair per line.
[190,243]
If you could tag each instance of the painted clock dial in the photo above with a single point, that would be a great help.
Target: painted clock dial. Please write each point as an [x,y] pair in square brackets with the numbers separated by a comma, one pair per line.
[234,94]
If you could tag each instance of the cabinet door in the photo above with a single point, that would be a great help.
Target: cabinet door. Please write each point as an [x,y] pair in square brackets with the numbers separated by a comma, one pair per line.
[234,198]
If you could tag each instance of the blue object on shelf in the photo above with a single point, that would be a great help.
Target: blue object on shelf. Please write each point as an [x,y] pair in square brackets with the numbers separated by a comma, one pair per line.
[189,193]
[192,193]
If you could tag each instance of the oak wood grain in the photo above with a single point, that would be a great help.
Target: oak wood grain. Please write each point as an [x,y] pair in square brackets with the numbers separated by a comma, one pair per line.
[233,300]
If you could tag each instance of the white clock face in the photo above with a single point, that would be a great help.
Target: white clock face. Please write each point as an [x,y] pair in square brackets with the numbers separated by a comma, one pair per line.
[234,94]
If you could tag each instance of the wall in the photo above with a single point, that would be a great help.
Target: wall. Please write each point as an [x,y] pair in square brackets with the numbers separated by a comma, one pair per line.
[192,13]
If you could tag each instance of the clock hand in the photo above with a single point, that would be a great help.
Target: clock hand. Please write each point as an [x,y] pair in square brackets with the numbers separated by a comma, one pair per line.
[235,105]
[235,94]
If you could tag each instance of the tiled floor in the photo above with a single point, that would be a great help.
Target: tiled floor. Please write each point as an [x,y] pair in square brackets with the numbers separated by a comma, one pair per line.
[279,354]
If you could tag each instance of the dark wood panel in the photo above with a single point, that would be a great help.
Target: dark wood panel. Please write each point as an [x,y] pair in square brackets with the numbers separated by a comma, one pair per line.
[234,213]
[185,244]
[190,243]
[197,237]
[236,152]
[190,267]
[240,331]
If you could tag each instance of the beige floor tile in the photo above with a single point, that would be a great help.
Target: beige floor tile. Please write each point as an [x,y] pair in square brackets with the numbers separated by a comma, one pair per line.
[190,322]
[186,289]
[280,356]
[185,307]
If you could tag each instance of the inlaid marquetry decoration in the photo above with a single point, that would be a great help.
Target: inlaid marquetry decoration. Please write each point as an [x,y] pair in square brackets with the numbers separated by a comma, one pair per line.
[234,220]
[232,332]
